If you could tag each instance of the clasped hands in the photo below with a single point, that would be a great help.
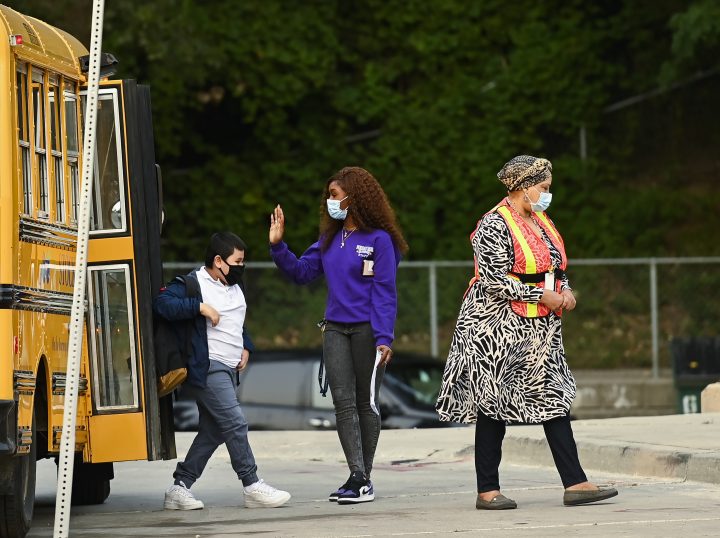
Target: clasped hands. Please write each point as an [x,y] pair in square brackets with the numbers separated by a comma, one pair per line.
[556,301]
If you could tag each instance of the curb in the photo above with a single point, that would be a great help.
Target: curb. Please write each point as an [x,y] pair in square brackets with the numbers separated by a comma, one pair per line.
[617,457]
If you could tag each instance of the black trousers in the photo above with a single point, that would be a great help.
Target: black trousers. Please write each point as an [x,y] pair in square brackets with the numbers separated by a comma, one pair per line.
[489,434]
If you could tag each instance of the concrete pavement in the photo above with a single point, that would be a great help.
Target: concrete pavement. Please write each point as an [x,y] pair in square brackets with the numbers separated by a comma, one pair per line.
[425,485]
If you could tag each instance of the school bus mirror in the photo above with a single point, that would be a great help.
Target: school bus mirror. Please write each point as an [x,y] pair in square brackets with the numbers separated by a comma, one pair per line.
[116,215]
[108,64]
[159,180]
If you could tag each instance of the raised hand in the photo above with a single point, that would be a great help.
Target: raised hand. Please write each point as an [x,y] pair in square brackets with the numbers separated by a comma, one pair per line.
[277,225]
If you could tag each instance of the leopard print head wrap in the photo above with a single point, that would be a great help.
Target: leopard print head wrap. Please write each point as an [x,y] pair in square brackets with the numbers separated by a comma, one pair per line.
[524,171]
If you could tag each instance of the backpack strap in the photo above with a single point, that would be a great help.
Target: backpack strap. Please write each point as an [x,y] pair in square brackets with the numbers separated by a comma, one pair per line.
[192,285]
[192,289]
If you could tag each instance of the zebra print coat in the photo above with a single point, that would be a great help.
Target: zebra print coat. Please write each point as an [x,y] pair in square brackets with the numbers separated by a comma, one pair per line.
[500,364]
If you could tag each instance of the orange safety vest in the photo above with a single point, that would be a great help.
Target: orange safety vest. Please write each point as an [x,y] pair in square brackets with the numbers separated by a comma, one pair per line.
[532,255]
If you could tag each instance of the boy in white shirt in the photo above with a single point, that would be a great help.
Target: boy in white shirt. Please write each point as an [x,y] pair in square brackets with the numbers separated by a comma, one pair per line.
[220,349]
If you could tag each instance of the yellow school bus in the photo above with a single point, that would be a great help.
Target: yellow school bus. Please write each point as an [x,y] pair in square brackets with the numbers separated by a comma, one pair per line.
[119,416]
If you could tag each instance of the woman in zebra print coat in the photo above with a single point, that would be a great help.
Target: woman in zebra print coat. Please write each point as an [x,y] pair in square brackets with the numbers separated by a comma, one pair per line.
[506,362]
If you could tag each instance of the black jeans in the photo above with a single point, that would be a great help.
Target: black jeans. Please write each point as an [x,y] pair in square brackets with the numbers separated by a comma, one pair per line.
[489,434]
[349,355]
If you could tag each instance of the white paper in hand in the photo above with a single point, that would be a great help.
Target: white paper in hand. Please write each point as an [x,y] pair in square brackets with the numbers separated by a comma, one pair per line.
[373,403]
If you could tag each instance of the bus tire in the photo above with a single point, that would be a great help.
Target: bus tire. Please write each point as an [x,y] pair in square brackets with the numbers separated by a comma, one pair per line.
[91,482]
[16,507]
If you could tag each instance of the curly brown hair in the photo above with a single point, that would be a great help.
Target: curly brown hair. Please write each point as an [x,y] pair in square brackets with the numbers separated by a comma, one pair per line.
[369,207]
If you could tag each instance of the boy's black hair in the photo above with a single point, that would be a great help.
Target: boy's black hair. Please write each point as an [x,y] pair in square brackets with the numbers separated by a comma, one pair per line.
[222,244]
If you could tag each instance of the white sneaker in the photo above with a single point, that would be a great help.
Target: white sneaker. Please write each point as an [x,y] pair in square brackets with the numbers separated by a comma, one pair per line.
[263,495]
[180,498]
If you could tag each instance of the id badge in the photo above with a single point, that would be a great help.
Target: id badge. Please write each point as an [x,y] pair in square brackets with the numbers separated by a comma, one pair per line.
[368,268]
[550,281]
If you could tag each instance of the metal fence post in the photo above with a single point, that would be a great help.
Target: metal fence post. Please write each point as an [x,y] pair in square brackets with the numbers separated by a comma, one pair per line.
[432,272]
[654,319]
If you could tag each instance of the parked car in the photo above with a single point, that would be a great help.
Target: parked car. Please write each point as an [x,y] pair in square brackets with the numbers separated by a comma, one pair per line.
[279,390]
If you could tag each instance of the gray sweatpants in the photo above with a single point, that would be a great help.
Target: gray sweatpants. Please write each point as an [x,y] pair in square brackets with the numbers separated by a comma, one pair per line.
[221,421]
[349,355]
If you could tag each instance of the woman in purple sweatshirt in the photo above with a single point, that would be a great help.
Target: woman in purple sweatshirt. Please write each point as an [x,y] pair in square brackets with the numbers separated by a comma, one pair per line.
[358,252]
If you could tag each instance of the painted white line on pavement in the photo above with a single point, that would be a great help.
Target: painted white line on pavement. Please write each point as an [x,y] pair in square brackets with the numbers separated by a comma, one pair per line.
[538,527]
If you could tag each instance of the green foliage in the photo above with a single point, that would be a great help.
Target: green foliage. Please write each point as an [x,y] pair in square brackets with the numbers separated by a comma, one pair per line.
[257,102]
[696,40]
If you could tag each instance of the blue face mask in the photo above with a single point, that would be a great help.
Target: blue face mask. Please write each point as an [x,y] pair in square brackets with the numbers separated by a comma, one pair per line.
[543,202]
[334,210]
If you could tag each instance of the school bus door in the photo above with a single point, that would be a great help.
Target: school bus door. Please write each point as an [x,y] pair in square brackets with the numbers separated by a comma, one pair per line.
[124,272]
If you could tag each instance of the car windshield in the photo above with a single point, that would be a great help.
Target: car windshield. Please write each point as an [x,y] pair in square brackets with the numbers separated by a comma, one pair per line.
[418,384]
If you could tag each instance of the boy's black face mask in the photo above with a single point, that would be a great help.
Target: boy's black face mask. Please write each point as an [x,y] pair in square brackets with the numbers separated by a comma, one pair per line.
[234,274]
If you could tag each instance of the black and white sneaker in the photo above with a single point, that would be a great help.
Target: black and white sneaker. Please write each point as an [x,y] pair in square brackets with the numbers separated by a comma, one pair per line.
[333,497]
[359,490]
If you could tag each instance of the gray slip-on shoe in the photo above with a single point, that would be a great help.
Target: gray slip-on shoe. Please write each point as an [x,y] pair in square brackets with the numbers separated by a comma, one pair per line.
[499,502]
[573,498]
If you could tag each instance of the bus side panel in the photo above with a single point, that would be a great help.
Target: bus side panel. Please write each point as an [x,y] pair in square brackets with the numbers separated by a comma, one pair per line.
[57,361]
[7,359]
[146,216]
[44,286]
[31,336]
[119,437]
[8,412]
[8,210]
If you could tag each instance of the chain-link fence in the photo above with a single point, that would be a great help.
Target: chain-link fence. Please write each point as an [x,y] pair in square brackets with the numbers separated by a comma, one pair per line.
[628,309]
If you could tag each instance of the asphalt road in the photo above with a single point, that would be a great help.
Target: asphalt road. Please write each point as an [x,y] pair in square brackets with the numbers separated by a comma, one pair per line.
[430,495]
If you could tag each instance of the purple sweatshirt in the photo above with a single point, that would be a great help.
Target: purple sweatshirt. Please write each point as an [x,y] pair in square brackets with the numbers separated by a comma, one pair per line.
[352,297]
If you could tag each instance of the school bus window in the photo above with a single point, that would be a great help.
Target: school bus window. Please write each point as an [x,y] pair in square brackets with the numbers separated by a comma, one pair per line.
[21,88]
[108,208]
[24,139]
[56,151]
[74,190]
[71,123]
[113,341]
[38,98]
[71,131]
[55,128]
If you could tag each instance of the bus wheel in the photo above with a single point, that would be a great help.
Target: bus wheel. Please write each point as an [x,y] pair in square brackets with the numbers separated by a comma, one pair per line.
[91,482]
[17,504]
